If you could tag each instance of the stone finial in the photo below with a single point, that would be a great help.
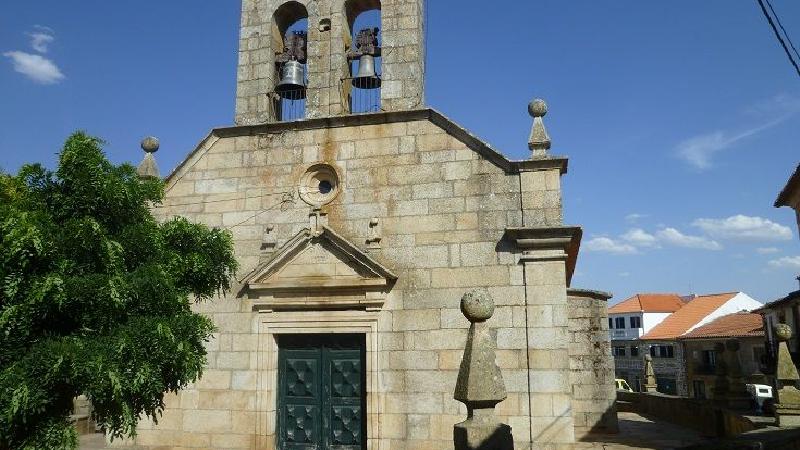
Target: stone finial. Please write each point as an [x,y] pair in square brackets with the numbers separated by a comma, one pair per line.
[786,372]
[650,383]
[787,396]
[480,383]
[539,140]
[374,237]
[148,167]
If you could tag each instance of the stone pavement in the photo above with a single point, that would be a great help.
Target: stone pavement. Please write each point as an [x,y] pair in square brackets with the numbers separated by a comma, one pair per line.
[639,432]
[636,432]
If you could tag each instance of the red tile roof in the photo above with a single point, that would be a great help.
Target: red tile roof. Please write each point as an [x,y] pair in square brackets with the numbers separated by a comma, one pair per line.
[688,316]
[648,303]
[741,324]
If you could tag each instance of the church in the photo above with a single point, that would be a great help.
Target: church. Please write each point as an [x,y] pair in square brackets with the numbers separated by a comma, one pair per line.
[360,217]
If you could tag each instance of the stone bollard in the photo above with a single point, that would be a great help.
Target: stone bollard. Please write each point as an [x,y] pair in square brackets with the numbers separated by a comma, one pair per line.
[787,397]
[480,384]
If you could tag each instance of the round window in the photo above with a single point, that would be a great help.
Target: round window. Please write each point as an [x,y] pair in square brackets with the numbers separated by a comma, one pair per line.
[319,184]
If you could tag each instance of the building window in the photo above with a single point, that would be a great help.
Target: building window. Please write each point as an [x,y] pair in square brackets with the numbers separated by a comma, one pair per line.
[618,351]
[610,323]
[619,323]
[666,385]
[634,350]
[636,322]
[662,351]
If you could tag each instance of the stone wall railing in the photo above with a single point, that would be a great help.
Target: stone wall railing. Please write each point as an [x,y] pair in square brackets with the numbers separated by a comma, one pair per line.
[700,415]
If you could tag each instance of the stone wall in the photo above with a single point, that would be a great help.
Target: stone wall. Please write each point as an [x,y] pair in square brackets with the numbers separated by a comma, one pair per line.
[442,204]
[700,415]
[591,364]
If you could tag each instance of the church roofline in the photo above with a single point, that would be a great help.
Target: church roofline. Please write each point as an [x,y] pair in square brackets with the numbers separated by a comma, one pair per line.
[436,117]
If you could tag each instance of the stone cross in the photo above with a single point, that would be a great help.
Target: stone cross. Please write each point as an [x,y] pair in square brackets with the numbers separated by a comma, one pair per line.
[721,383]
[539,140]
[148,167]
[787,397]
[737,396]
[480,384]
[650,384]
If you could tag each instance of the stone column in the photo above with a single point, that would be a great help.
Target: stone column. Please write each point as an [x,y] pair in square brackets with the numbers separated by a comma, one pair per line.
[787,396]
[545,256]
[650,383]
[480,383]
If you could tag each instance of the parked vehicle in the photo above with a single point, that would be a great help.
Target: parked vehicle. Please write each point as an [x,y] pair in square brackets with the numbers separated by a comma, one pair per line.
[622,385]
[761,394]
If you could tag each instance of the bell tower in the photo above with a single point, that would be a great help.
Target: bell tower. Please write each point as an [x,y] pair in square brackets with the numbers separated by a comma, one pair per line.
[303,59]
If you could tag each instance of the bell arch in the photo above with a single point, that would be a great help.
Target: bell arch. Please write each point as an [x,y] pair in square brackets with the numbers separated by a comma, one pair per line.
[289,37]
[362,41]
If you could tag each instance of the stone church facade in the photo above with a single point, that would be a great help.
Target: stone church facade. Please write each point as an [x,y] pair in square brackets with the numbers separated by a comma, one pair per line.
[357,235]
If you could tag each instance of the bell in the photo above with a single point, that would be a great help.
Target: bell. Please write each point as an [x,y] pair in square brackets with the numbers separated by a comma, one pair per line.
[292,85]
[366,77]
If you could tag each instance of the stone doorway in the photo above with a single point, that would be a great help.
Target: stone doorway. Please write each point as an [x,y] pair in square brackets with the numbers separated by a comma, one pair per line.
[321,392]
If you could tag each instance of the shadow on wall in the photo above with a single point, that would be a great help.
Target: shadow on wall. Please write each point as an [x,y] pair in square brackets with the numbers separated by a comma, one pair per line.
[500,439]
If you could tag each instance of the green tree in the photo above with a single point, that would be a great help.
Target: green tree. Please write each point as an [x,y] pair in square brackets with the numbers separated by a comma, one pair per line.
[95,297]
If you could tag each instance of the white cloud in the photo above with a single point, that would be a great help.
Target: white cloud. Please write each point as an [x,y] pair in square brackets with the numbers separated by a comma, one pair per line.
[787,262]
[634,217]
[608,245]
[699,150]
[766,250]
[640,238]
[35,67]
[745,228]
[41,38]
[678,239]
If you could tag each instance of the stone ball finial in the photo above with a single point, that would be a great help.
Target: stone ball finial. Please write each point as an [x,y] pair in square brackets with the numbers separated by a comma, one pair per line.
[477,305]
[783,332]
[537,108]
[150,144]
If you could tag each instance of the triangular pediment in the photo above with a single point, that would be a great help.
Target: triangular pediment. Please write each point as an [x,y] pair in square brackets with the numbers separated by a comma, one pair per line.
[317,263]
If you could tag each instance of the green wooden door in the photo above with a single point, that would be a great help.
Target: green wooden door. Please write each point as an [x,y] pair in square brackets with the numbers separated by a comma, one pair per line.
[321,392]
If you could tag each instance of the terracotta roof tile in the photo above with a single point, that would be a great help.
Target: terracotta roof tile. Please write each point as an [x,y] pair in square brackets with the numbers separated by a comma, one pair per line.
[648,303]
[688,316]
[741,324]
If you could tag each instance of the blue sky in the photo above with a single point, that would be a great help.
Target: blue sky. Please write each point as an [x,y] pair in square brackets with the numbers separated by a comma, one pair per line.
[680,118]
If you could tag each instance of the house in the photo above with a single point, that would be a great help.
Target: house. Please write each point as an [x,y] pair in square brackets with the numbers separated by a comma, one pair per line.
[663,341]
[701,357]
[360,217]
[787,309]
[628,320]
[790,195]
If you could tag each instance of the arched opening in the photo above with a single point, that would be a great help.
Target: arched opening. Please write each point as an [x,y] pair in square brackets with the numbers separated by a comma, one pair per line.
[362,88]
[289,45]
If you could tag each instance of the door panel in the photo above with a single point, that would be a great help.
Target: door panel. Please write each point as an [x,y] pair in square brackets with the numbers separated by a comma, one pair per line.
[321,401]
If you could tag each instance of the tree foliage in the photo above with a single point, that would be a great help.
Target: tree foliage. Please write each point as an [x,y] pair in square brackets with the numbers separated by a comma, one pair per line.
[95,297]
